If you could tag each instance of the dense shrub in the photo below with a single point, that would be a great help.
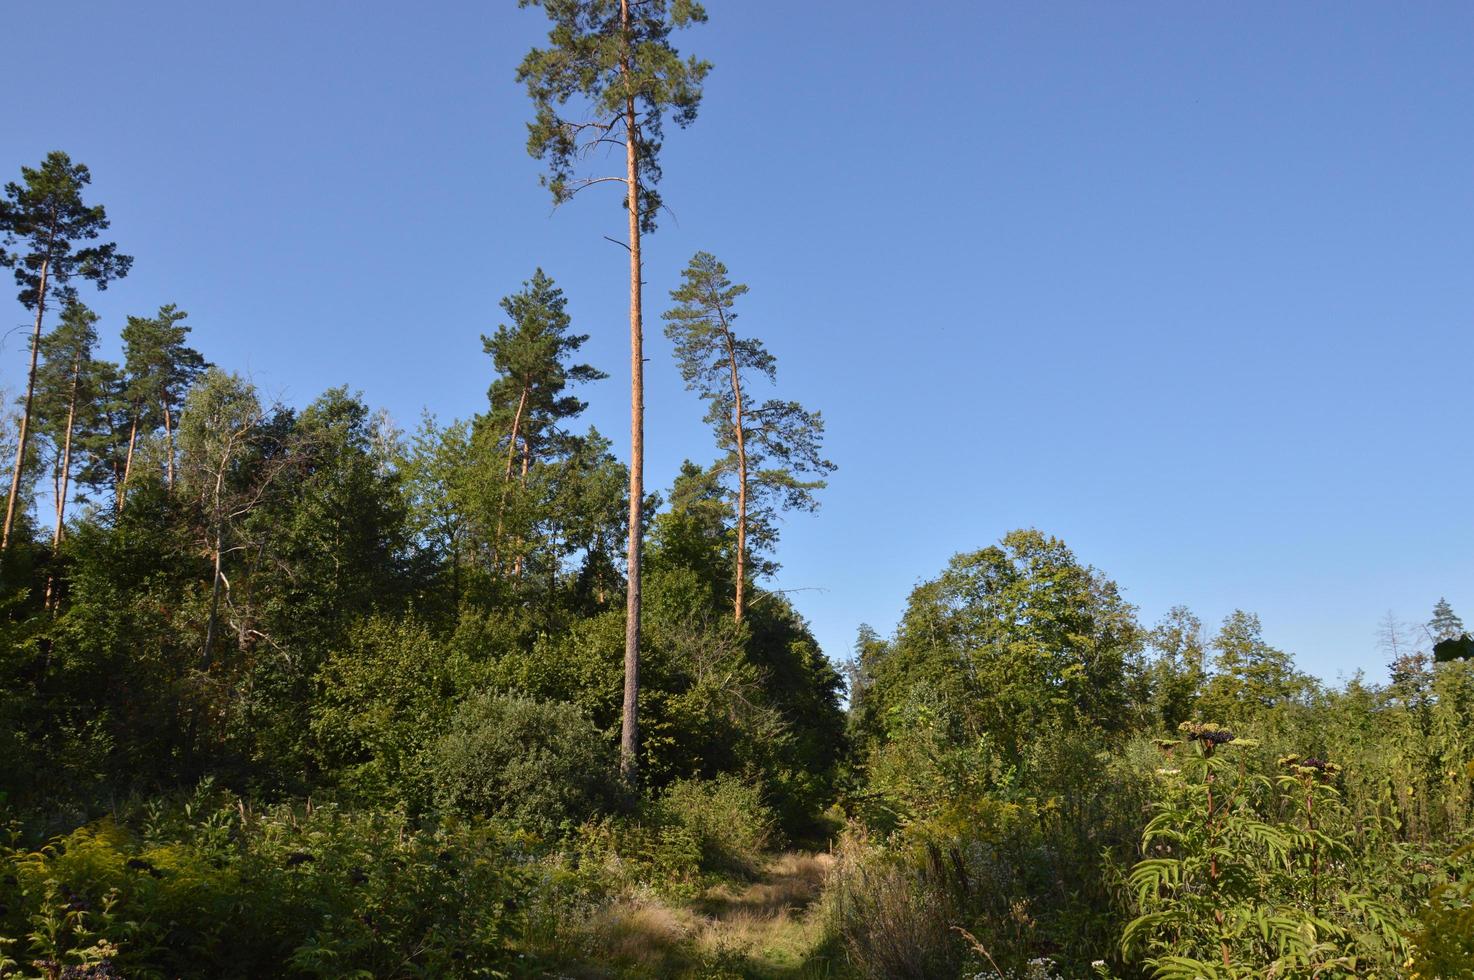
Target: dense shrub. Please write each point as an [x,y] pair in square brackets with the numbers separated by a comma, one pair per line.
[217,890]
[539,765]
[381,705]
[1227,886]
[726,818]
[1443,942]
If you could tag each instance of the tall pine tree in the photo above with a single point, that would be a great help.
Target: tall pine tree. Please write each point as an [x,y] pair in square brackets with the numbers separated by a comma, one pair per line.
[610,77]
[43,221]
[528,398]
[771,451]
[69,386]
[161,368]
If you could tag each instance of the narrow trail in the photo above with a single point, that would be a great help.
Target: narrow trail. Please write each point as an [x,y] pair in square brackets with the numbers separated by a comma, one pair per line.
[766,929]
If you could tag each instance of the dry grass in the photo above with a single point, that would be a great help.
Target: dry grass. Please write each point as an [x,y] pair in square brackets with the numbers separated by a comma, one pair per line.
[633,929]
[768,928]
[771,922]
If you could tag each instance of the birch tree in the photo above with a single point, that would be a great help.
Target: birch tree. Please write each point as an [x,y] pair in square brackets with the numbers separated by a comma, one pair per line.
[220,434]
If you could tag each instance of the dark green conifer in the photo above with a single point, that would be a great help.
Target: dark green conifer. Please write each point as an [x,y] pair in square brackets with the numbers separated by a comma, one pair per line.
[43,221]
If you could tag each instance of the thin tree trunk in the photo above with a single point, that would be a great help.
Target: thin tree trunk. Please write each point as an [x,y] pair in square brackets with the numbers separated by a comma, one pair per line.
[215,581]
[66,473]
[25,418]
[739,605]
[501,507]
[630,727]
[168,435]
[516,429]
[214,605]
[526,462]
[128,463]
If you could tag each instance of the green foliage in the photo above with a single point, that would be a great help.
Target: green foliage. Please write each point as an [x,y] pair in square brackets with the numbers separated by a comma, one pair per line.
[1249,674]
[160,368]
[538,765]
[305,605]
[43,221]
[1443,940]
[71,389]
[1017,639]
[770,451]
[216,889]
[1445,624]
[609,69]
[1229,889]
[726,818]
[381,705]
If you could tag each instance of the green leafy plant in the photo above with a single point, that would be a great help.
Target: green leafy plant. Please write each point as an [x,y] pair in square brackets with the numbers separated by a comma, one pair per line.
[1226,890]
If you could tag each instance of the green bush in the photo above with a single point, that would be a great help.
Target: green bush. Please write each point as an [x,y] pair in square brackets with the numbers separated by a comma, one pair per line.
[220,891]
[540,765]
[381,705]
[1443,943]
[726,818]
[1248,875]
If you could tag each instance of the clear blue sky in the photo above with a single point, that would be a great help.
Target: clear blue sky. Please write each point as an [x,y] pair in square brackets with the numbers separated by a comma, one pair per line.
[1188,285]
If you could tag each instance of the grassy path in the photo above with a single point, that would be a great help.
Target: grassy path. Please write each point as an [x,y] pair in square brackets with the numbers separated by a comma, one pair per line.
[765,929]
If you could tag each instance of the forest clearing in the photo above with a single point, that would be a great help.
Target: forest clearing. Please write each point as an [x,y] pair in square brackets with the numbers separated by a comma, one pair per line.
[557,682]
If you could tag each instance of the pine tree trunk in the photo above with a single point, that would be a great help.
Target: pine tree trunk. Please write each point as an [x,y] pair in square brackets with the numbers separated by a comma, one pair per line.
[25,418]
[630,727]
[521,544]
[516,430]
[128,463]
[169,436]
[501,507]
[66,474]
[739,605]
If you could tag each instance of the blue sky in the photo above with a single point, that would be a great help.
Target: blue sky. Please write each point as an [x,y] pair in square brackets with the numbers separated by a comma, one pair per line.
[1188,285]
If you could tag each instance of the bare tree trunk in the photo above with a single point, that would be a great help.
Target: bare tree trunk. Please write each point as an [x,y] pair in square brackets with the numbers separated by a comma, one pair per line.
[169,435]
[66,474]
[516,430]
[219,546]
[214,605]
[501,507]
[739,605]
[629,736]
[521,545]
[25,418]
[128,463]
